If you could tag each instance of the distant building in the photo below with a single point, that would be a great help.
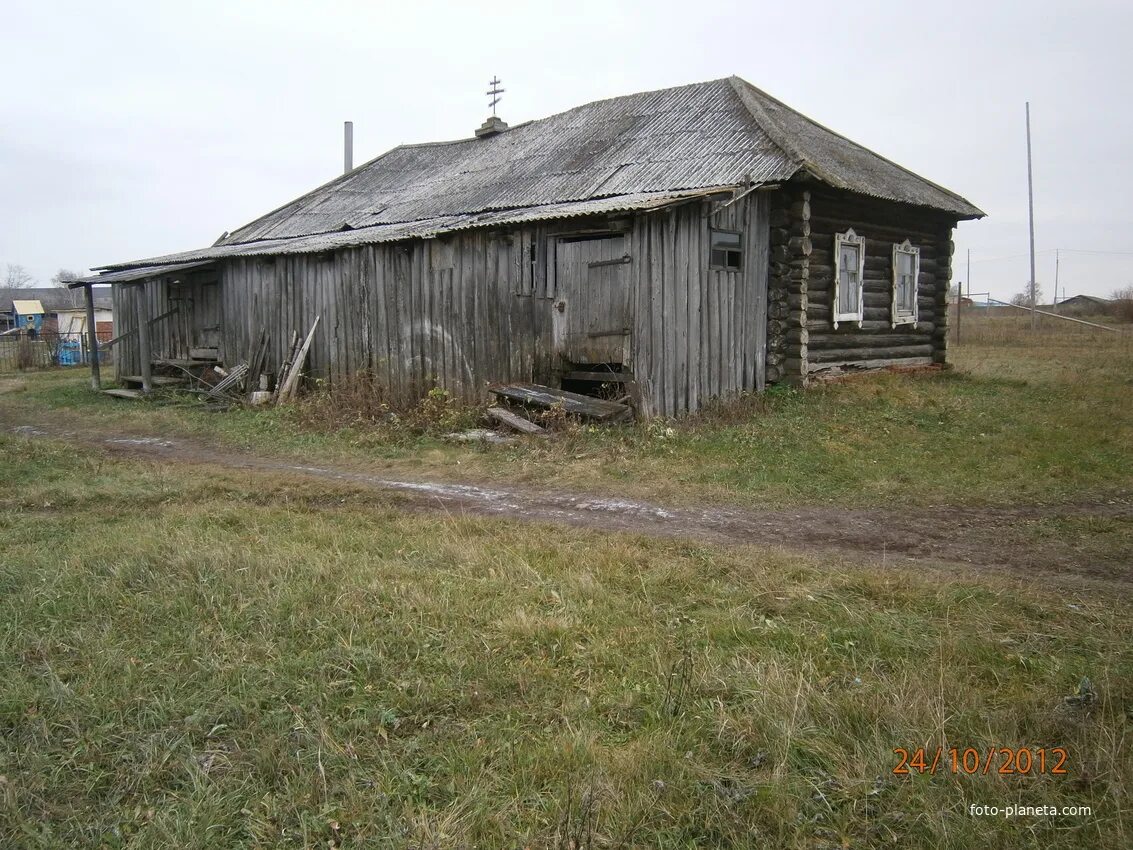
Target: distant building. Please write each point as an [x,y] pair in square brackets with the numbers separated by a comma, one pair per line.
[54,310]
[1085,305]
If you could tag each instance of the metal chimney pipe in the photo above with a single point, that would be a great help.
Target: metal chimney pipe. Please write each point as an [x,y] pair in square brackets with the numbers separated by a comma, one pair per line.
[348,147]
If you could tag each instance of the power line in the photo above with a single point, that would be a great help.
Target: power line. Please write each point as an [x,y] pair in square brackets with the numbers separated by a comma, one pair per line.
[1012,256]
[1087,251]
[979,259]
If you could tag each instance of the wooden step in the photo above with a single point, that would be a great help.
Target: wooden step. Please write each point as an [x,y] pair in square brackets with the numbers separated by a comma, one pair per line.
[133,395]
[514,421]
[184,364]
[603,377]
[155,381]
[538,395]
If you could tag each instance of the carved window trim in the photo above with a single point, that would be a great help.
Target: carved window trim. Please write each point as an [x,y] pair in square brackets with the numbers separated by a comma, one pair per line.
[905,314]
[840,239]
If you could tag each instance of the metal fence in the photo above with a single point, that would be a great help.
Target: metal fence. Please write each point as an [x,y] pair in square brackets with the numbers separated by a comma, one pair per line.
[45,351]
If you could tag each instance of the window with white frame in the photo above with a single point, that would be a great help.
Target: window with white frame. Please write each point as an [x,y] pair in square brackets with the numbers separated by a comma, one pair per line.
[906,270]
[849,269]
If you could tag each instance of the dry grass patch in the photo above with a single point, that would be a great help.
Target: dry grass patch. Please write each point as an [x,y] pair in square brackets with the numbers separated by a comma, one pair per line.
[196,660]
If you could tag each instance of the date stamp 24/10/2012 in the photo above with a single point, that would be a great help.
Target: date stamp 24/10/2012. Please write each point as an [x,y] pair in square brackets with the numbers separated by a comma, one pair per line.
[969,761]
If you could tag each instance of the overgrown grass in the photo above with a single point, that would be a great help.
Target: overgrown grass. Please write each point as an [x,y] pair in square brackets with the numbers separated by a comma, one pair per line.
[1021,418]
[201,660]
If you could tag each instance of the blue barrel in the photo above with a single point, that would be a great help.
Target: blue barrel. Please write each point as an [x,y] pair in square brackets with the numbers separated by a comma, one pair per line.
[70,353]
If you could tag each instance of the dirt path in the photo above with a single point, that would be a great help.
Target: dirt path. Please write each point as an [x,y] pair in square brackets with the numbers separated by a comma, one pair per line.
[985,538]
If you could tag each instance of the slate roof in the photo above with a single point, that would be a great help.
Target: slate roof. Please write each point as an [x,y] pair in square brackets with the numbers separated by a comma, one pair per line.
[619,154]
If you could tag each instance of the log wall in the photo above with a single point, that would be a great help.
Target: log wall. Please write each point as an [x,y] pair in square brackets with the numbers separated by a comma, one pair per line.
[802,339]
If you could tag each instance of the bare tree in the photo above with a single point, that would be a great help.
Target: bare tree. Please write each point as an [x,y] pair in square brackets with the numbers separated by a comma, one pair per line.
[17,277]
[1023,299]
[64,277]
[1122,306]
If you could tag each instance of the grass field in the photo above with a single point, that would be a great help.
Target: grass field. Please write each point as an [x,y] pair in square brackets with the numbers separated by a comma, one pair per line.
[197,657]
[1018,420]
[193,659]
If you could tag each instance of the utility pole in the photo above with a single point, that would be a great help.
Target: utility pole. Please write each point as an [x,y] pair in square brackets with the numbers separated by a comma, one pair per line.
[1054,307]
[1031,221]
[960,296]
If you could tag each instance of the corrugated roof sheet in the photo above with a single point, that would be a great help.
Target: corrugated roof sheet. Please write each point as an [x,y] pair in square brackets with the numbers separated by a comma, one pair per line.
[143,272]
[627,150]
[844,164]
[426,229]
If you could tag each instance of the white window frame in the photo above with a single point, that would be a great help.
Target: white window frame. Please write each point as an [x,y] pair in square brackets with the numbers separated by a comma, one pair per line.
[906,317]
[840,239]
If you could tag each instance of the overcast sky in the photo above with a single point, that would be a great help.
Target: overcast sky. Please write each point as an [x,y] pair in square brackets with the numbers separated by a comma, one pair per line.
[135,129]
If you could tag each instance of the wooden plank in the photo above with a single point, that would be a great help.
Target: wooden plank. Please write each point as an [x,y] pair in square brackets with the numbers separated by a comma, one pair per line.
[92,338]
[133,395]
[155,380]
[678,312]
[604,377]
[145,363]
[541,396]
[134,330]
[690,221]
[181,363]
[287,391]
[656,311]
[514,421]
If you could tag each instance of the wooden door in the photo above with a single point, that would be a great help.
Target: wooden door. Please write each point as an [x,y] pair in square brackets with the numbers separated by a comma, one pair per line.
[591,321]
[197,323]
[206,315]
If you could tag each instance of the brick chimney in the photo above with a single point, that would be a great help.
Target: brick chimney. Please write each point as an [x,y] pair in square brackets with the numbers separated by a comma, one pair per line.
[492,127]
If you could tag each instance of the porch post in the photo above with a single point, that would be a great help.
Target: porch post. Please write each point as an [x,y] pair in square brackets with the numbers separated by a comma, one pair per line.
[92,340]
[143,337]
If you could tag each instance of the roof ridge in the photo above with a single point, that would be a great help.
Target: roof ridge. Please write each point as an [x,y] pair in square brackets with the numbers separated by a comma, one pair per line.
[742,89]
[748,88]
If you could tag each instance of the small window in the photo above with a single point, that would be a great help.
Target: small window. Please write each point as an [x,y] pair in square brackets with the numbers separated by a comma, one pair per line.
[906,270]
[849,269]
[726,252]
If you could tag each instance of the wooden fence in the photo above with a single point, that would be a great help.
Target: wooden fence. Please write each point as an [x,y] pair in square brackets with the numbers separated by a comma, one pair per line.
[46,351]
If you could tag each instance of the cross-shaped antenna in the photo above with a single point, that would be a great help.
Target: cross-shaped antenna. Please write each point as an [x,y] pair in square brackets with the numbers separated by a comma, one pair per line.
[495,92]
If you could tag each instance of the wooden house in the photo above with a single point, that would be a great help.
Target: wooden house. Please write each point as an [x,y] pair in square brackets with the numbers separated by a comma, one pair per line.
[55,307]
[1084,305]
[691,243]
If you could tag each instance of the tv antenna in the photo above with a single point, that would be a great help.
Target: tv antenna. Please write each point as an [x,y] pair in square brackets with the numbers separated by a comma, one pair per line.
[494,92]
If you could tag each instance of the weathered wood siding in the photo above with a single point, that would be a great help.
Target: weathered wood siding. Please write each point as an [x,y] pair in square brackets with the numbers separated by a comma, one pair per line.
[197,322]
[802,339]
[466,309]
[698,332]
[453,312]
